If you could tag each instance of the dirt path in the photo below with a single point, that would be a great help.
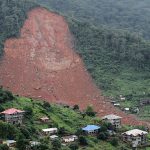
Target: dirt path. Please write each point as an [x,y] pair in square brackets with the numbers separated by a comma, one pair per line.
[42,64]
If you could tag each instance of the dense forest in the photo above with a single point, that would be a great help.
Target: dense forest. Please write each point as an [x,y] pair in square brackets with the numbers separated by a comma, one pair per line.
[133,15]
[12,16]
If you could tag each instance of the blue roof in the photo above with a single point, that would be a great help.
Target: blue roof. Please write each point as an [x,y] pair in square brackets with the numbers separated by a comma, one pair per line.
[91,127]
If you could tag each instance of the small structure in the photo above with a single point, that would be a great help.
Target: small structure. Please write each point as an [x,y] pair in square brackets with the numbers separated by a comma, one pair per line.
[68,139]
[91,129]
[13,116]
[34,143]
[50,131]
[44,119]
[52,137]
[113,119]
[10,143]
[117,104]
[135,137]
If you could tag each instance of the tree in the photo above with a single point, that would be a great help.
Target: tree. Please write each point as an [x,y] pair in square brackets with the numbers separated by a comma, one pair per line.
[28,111]
[114,142]
[90,112]
[74,146]
[56,144]
[83,141]
[103,136]
[22,143]
[4,147]
[76,107]
[62,131]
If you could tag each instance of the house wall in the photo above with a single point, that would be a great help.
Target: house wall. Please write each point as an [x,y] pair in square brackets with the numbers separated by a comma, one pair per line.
[14,118]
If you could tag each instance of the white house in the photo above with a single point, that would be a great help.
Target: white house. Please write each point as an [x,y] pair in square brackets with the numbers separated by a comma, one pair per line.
[52,137]
[135,137]
[34,143]
[113,119]
[10,143]
[49,131]
[68,139]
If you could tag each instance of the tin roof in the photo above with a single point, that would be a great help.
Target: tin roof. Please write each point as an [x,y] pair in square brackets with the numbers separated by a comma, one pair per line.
[12,111]
[135,132]
[91,128]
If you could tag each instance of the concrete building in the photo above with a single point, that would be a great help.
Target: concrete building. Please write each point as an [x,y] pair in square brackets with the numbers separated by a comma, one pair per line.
[113,119]
[68,139]
[49,131]
[135,137]
[13,116]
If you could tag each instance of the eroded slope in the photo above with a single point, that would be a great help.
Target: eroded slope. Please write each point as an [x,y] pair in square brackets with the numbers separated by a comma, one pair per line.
[42,64]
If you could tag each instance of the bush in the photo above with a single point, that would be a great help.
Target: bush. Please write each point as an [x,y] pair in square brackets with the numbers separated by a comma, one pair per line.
[56,144]
[74,146]
[28,111]
[4,147]
[103,136]
[90,112]
[75,107]
[83,141]
[114,142]
[47,106]
[62,131]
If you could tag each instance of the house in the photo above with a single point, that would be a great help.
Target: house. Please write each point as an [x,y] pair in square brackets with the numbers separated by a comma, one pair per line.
[135,137]
[117,104]
[10,143]
[91,129]
[50,131]
[52,137]
[68,139]
[13,116]
[44,119]
[34,143]
[113,119]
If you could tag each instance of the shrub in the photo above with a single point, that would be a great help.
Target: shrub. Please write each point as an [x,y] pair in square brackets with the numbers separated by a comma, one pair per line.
[74,146]
[103,136]
[56,144]
[90,112]
[114,142]
[83,140]
[75,107]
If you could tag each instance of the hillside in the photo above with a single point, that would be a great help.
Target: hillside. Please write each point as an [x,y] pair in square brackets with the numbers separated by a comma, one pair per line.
[46,66]
[132,15]
[108,37]
[67,120]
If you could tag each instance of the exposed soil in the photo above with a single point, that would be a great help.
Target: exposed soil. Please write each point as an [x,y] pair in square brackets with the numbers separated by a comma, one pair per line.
[43,64]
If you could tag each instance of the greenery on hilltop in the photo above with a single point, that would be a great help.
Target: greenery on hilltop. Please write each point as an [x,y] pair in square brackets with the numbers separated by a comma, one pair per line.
[133,15]
[12,16]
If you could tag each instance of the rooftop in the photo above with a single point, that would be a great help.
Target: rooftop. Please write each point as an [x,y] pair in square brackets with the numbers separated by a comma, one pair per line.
[12,111]
[49,129]
[111,116]
[135,132]
[91,127]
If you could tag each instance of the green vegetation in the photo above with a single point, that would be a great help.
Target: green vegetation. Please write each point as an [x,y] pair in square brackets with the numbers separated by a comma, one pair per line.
[132,15]
[12,16]
[67,120]
[118,61]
